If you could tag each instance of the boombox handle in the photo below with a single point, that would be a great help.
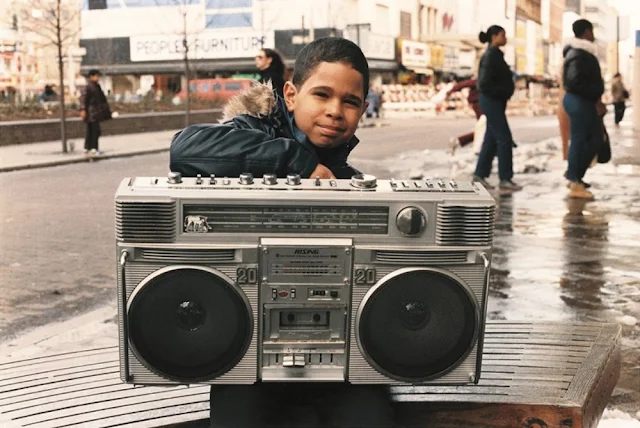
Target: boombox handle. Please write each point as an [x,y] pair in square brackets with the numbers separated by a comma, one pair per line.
[487,272]
[125,322]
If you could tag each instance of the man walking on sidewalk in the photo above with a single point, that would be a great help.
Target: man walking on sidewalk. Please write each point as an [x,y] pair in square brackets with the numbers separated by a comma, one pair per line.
[93,110]
[582,80]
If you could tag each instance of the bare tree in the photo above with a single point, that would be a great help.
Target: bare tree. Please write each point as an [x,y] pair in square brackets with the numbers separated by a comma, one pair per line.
[185,33]
[57,24]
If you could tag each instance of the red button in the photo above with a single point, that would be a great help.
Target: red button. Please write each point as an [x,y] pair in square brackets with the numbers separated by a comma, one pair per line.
[283,293]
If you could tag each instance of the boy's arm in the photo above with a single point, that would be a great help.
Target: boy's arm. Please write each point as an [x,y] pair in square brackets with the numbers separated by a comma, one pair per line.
[227,151]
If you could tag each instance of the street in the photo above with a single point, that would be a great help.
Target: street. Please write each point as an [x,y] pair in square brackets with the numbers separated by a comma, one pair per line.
[553,259]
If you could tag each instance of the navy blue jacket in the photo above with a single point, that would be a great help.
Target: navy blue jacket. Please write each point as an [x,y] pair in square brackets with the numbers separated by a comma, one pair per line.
[258,145]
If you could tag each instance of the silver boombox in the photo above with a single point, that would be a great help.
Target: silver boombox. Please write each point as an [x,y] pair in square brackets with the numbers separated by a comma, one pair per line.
[239,280]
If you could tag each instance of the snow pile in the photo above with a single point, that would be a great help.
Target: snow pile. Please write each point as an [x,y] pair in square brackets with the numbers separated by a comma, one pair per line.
[617,419]
[627,320]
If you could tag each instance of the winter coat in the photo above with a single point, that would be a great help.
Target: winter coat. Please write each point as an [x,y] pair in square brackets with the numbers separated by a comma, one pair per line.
[257,135]
[94,102]
[494,75]
[619,92]
[581,73]
[472,84]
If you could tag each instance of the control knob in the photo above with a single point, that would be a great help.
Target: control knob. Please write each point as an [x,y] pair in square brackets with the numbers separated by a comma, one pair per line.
[411,221]
[270,179]
[364,181]
[175,178]
[293,179]
[246,178]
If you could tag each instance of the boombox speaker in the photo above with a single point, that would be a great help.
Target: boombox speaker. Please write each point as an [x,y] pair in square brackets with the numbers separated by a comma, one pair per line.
[243,280]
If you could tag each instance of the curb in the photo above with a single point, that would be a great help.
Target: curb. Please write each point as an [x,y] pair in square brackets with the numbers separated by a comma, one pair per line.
[80,160]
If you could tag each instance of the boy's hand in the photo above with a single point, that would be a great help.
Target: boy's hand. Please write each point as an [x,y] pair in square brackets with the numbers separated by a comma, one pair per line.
[321,171]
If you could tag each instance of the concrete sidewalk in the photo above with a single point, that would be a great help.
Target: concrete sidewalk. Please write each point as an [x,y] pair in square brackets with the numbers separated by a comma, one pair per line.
[38,155]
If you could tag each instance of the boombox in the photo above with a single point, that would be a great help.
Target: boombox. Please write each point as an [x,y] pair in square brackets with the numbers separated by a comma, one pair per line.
[240,280]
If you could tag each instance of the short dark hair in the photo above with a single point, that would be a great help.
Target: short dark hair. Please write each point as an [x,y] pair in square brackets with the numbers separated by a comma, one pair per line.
[330,49]
[494,30]
[580,26]
[94,72]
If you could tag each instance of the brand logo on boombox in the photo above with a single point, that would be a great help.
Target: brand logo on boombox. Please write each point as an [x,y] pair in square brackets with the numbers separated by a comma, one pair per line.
[196,224]
[303,251]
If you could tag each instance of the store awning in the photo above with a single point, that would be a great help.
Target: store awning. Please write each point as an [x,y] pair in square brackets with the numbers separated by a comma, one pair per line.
[460,41]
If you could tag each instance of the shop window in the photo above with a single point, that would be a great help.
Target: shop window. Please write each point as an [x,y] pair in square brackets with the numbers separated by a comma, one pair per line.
[229,20]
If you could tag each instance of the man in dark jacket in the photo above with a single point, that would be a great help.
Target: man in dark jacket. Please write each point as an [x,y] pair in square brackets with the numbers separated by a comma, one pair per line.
[582,81]
[93,110]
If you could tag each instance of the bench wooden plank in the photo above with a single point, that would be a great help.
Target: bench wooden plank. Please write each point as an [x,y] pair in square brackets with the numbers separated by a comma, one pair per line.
[529,371]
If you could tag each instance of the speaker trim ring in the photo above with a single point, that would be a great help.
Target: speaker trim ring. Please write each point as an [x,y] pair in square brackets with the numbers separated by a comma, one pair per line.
[390,276]
[238,290]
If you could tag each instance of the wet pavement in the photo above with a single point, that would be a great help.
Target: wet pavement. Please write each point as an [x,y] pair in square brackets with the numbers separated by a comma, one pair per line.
[554,259]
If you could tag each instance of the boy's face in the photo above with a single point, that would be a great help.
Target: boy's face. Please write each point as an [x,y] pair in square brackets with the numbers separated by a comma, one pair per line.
[329,104]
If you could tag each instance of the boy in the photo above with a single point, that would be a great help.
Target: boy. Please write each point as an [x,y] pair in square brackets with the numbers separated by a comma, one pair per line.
[311,133]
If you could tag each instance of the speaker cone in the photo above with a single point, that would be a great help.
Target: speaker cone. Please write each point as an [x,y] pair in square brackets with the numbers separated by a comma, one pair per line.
[189,323]
[417,324]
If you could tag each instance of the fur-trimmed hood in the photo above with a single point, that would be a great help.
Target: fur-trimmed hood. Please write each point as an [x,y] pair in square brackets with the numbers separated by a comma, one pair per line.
[575,43]
[257,101]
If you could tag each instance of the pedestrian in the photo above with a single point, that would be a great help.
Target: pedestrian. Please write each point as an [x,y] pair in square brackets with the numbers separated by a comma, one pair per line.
[473,98]
[583,84]
[496,86]
[374,98]
[93,110]
[311,133]
[271,66]
[620,95]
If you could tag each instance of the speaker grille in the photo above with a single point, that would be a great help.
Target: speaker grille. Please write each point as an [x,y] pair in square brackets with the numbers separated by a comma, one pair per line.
[189,324]
[176,256]
[417,325]
[465,225]
[145,221]
[421,257]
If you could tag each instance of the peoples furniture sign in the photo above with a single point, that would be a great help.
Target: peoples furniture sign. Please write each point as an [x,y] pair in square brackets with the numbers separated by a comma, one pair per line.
[206,45]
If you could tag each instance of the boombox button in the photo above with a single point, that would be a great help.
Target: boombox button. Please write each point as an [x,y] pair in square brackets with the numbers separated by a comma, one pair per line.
[274,294]
[283,293]
[293,293]
[334,294]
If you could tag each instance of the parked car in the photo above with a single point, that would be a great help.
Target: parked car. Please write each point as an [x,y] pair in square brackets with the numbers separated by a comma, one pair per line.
[215,89]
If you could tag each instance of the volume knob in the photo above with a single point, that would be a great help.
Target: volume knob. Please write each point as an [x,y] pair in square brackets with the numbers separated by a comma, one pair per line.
[293,179]
[246,178]
[411,221]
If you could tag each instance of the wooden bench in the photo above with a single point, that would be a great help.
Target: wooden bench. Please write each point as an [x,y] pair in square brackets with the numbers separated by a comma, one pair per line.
[534,375]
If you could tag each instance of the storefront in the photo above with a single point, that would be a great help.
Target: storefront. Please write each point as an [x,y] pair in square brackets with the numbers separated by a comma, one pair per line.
[415,58]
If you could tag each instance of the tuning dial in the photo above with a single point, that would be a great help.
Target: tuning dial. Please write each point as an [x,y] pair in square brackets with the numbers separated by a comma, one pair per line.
[270,179]
[175,178]
[293,179]
[411,221]
[364,181]
[246,178]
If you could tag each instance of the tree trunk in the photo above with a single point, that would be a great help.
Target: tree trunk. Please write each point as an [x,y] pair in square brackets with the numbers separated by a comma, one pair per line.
[63,119]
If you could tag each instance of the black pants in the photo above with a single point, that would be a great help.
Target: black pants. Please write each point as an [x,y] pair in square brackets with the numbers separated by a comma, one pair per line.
[91,138]
[619,108]
[300,405]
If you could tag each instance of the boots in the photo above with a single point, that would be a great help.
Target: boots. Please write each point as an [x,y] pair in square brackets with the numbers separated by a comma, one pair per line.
[577,190]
